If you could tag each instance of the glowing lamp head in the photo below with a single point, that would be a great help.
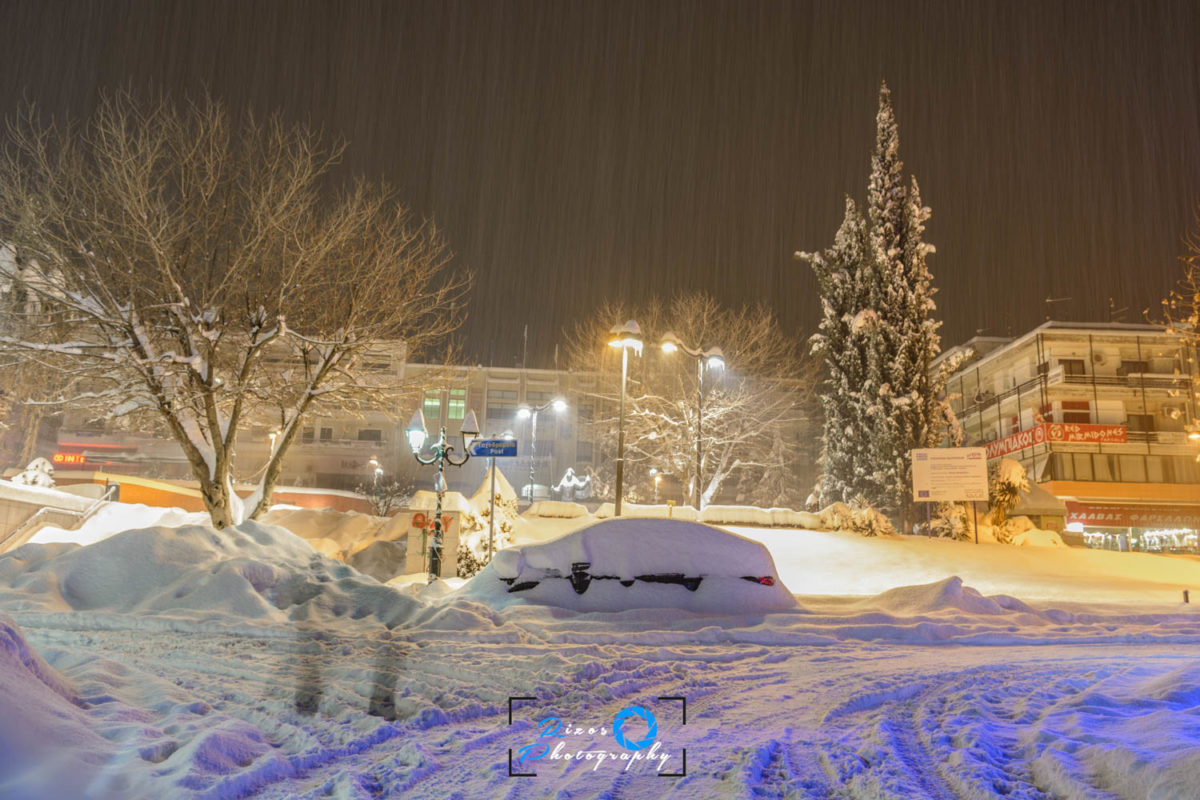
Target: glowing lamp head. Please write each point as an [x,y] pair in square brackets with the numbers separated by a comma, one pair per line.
[469,428]
[416,431]
[559,405]
[670,342]
[715,358]
[627,336]
[524,412]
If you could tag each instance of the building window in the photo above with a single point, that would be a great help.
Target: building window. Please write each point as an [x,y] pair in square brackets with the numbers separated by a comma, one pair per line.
[1072,366]
[583,452]
[585,414]
[1133,469]
[1083,466]
[326,434]
[456,408]
[501,404]
[370,435]
[432,407]
[1139,422]
[535,399]
[306,435]
[1076,411]
[1133,367]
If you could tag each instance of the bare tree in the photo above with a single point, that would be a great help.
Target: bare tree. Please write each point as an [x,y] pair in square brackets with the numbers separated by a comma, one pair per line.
[751,410]
[1181,315]
[206,274]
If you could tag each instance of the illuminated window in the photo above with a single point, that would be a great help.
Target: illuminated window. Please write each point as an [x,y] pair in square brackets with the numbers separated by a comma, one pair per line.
[433,406]
[456,408]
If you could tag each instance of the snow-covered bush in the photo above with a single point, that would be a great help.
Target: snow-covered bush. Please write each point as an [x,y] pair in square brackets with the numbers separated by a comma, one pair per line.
[473,546]
[1007,482]
[40,472]
[859,517]
[951,521]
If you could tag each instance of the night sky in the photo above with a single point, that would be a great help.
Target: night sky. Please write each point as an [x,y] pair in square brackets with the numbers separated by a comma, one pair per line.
[576,151]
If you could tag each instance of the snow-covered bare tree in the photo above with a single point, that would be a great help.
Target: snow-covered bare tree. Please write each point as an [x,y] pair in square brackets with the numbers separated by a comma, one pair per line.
[1181,315]
[748,407]
[206,273]
[879,337]
[27,385]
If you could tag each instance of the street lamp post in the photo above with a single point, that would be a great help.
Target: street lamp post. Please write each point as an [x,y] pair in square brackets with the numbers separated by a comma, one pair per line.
[713,358]
[440,456]
[627,337]
[559,405]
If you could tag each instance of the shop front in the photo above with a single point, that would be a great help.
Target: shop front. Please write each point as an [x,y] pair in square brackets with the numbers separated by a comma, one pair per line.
[1145,528]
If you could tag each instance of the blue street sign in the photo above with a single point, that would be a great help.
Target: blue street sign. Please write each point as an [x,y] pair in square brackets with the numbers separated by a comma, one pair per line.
[494,448]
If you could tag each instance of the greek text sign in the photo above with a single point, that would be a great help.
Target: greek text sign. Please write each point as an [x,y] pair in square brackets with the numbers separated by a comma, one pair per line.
[1057,432]
[949,473]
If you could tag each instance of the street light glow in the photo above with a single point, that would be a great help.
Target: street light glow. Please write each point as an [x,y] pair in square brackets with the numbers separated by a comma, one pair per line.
[416,431]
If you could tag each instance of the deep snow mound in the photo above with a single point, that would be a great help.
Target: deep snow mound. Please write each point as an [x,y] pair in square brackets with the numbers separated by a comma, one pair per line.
[45,737]
[637,563]
[249,572]
[944,595]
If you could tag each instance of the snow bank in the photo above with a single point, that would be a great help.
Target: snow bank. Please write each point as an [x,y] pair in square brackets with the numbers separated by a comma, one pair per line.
[736,515]
[626,560]
[686,513]
[43,496]
[249,572]
[345,529]
[949,594]
[47,745]
[114,518]
[1038,538]
[556,509]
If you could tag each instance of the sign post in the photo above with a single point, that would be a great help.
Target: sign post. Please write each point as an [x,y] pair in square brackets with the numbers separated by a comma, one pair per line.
[951,474]
[493,449]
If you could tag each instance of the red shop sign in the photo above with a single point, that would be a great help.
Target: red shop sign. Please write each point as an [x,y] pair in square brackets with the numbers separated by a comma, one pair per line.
[1057,432]
[1102,516]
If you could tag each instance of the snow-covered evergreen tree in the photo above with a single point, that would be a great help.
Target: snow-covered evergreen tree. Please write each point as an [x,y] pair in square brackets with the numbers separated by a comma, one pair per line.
[878,336]
[841,345]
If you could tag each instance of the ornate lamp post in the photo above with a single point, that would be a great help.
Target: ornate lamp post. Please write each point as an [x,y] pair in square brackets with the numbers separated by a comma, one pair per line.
[526,412]
[713,358]
[627,337]
[440,455]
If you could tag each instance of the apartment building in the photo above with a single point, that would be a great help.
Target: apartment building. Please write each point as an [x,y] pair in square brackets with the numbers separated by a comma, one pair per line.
[1102,415]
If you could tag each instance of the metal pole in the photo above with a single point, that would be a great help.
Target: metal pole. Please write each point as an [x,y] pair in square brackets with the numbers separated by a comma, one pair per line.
[699,422]
[621,433]
[975,514]
[532,451]
[492,514]
[435,549]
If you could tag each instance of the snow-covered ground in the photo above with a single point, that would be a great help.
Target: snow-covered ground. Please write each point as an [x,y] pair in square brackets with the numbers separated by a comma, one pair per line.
[186,662]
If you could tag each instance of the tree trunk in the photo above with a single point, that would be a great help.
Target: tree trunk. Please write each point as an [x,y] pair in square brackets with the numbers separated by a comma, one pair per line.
[216,500]
[31,425]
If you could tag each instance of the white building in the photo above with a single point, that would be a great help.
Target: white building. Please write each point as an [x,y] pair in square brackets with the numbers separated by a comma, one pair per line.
[1103,416]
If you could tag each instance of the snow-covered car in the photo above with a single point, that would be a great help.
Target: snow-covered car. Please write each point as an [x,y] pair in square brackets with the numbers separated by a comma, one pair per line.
[638,563]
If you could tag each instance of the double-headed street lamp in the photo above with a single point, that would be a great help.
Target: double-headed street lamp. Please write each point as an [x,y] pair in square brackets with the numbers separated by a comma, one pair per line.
[440,455]
[627,337]
[712,358]
[525,412]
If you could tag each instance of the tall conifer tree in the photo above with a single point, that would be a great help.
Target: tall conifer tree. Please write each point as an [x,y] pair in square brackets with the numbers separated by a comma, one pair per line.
[878,336]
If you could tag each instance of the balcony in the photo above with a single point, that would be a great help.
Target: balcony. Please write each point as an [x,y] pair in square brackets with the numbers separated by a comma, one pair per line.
[1156,437]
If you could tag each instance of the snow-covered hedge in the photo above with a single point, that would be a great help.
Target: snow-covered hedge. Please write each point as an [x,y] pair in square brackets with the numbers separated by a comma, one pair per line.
[685,513]
[556,509]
